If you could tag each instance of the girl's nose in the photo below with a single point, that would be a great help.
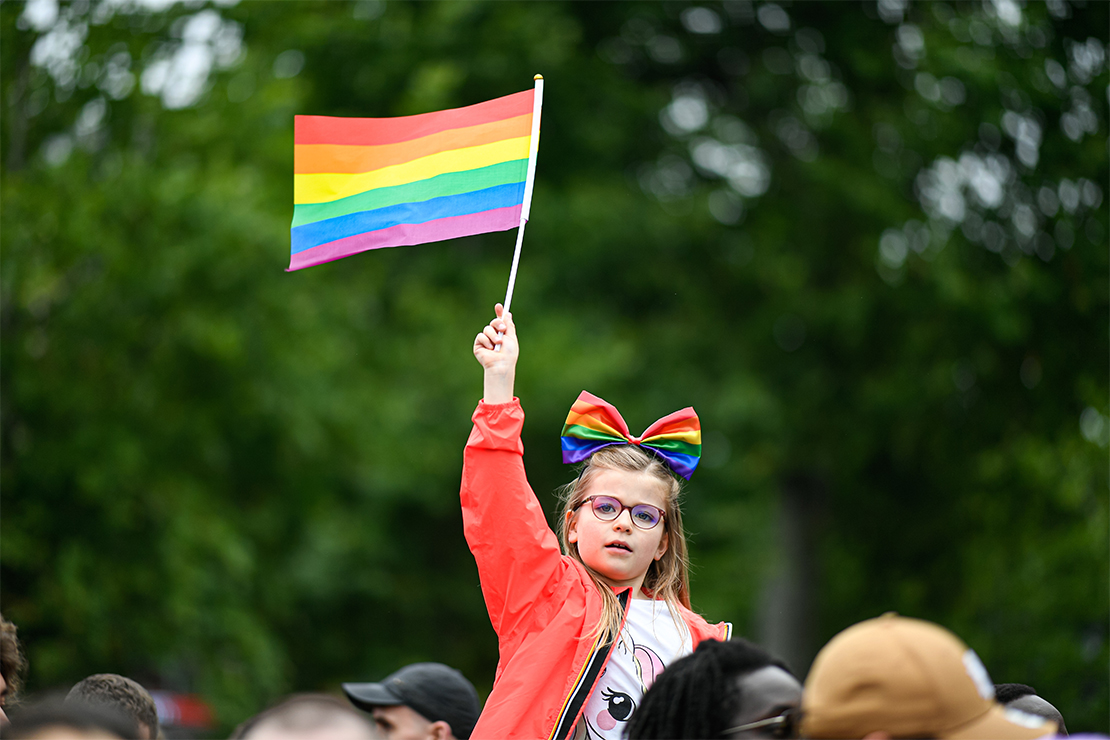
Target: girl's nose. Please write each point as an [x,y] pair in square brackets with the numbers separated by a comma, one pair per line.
[619,521]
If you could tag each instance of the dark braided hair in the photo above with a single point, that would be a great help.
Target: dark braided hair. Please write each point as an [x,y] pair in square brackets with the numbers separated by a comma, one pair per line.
[697,696]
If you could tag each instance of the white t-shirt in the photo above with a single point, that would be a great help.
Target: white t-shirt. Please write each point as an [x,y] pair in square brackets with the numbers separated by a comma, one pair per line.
[653,637]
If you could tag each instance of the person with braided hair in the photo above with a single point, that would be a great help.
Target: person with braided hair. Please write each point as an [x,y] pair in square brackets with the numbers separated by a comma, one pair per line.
[731,689]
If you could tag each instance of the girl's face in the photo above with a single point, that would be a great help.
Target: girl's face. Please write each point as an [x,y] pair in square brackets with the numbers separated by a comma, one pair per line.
[618,550]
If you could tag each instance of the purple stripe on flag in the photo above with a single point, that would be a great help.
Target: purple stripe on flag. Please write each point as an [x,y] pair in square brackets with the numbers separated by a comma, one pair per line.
[497,219]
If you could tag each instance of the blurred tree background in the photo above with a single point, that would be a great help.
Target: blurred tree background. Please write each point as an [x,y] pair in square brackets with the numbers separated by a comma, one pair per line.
[867,241]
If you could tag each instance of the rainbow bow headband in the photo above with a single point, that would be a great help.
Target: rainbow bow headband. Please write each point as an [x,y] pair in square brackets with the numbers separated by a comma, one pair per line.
[593,423]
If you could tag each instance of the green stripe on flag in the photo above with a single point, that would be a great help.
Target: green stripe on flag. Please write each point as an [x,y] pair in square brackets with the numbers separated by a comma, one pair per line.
[452,183]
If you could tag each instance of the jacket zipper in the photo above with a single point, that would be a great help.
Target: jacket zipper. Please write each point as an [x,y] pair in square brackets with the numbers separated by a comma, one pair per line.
[625,597]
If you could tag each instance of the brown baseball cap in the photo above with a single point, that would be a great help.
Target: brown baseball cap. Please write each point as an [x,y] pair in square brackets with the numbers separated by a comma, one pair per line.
[911,679]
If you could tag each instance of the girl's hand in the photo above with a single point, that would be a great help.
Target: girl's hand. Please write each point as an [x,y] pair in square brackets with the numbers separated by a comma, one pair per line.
[500,366]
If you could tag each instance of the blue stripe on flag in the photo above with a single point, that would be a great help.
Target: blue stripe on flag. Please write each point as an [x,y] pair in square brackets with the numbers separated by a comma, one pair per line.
[321,232]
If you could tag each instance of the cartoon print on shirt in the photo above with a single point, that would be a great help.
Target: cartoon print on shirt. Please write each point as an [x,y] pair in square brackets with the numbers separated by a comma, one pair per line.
[618,705]
[648,665]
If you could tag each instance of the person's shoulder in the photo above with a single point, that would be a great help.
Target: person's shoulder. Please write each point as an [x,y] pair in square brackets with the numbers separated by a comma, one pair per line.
[703,629]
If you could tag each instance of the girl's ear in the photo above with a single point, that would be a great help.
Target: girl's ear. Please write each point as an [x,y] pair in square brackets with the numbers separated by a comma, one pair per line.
[663,543]
[572,527]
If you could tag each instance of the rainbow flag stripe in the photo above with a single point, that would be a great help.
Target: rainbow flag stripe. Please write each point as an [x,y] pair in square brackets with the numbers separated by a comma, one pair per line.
[594,423]
[369,183]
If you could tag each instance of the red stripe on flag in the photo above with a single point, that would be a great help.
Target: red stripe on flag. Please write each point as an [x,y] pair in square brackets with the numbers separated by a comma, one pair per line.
[377,131]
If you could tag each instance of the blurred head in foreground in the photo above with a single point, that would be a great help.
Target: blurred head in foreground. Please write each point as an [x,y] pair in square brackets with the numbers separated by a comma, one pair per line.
[12,665]
[54,719]
[728,689]
[307,717]
[894,677]
[422,701]
[1024,699]
[121,694]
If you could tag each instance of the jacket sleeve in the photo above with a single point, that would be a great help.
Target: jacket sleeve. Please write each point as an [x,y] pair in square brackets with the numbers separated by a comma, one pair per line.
[518,556]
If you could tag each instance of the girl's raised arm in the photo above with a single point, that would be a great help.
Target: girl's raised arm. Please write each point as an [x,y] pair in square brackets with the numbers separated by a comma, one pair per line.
[517,554]
[499,366]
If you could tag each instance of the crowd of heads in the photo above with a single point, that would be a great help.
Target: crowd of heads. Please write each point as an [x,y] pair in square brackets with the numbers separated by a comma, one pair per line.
[888,677]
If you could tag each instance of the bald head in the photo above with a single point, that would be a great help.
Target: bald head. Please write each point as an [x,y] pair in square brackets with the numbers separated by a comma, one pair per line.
[308,717]
[1035,705]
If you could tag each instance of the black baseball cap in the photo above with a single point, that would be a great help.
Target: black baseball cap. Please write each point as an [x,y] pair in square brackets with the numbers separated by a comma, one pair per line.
[433,690]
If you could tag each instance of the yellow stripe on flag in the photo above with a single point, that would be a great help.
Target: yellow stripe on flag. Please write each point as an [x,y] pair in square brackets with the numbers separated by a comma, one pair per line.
[324,188]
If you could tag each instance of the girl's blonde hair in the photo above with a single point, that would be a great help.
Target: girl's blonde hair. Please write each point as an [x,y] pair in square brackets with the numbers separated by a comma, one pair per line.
[667,578]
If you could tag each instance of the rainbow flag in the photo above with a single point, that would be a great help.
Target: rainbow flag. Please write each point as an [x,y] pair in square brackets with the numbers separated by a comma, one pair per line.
[368,183]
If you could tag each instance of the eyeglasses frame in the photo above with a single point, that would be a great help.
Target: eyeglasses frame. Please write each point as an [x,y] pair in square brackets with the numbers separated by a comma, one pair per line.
[624,507]
[790,715]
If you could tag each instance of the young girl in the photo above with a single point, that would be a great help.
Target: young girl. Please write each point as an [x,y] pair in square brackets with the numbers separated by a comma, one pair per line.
[582,630]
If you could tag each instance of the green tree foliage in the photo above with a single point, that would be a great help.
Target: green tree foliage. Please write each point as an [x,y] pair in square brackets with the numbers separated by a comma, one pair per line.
[866,242]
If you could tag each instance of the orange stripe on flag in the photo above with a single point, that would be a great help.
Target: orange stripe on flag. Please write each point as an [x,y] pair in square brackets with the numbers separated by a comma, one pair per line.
[344,159]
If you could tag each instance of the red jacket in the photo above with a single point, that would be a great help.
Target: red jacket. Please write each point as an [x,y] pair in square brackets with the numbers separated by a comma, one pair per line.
[542,604]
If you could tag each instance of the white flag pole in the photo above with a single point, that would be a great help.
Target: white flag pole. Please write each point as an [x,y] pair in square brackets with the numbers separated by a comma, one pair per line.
[534,145]
[533,149]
